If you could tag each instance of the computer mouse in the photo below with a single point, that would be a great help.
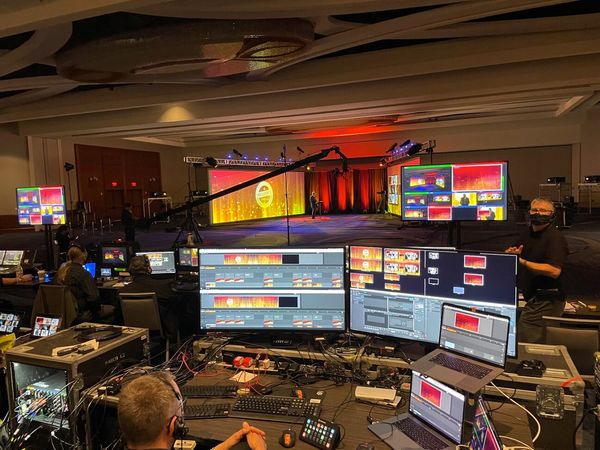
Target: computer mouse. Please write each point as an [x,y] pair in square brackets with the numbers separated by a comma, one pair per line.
[365,446]
[288,439]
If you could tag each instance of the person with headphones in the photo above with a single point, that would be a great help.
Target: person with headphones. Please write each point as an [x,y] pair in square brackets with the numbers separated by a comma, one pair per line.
[80,282]
[542,251]
[150,416]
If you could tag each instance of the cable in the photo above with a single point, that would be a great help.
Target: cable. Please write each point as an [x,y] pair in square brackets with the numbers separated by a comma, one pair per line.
[539,429]
[524,445]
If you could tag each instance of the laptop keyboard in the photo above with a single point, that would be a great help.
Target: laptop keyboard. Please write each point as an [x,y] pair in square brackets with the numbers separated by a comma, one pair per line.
[419,434]
[460,365]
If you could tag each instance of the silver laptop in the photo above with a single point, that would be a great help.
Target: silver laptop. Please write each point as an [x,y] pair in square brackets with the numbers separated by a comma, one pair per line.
[472,349]
[434,420]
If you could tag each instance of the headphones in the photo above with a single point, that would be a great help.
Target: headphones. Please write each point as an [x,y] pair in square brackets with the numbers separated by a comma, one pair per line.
[180,430]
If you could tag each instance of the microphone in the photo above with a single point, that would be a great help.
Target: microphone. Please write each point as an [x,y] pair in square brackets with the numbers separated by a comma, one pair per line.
[392,148]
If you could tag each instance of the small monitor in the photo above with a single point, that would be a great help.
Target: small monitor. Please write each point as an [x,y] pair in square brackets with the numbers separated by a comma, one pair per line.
[115,256]
[484,435]
[105,272]
[438,405]
[45,325]
[91,268]
[10,322]
[478,335]
[12,257]
[187,257]
[162,263]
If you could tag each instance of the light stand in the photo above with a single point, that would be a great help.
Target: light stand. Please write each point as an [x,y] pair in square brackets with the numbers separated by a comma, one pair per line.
[68,168]
[188,225]
[287,211]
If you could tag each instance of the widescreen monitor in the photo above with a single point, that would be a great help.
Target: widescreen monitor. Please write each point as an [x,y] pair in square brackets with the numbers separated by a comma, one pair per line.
[399,292]
[295,289]
[447,192]
[162,263]
[42,205]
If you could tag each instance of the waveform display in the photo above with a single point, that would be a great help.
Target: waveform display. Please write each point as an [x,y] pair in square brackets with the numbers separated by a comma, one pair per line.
[466,322]
[237,302]
[475,261]
[247,259]
[474,279]
[430,393]
[362,277]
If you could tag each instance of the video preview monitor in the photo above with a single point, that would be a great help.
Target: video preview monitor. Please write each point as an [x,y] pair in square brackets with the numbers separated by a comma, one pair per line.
[13,257]
[42,205]
[446,192]
[399,292]
[162,263]
[187,258]
[113,259]
[295,289]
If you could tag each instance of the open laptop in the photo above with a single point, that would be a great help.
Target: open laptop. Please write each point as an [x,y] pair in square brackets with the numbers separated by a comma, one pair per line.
[10,322]
[472,349]
[434,420]
[45,325]
[484,436]
[12,258]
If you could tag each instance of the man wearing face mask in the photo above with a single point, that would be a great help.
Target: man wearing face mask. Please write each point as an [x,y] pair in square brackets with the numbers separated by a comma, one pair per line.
[542,253]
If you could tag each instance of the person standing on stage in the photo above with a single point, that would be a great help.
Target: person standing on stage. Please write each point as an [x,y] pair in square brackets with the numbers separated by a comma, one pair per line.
[542,251]
[313,203]
[128,222]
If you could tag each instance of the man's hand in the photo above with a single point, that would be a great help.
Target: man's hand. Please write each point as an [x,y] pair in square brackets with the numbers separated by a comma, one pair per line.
[514,250]
[24,278]
[253,435]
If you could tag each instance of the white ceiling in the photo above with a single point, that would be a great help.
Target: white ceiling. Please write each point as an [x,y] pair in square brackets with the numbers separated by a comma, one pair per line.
[167,73]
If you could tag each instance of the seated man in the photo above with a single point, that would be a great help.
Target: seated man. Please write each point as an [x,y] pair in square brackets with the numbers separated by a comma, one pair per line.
[140,271]
[150,416]
[6,281]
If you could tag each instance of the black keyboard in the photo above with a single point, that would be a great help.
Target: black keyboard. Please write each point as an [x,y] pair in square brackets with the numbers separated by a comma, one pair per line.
[201,391]
[210,411]
[420,434]
[274,408]
[460,365]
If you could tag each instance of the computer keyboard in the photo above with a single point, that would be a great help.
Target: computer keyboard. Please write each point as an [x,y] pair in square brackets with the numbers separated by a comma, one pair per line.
[210,411]
[419,434]
[460,365]
[274,408]
[202,391]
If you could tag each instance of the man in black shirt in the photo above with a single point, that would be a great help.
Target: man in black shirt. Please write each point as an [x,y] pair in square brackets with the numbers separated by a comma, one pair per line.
[128,222]
[542,253]
[140,270]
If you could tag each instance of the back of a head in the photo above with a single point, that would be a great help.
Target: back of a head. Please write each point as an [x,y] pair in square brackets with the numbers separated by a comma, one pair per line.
[76,254]
[139,265]
[145,406]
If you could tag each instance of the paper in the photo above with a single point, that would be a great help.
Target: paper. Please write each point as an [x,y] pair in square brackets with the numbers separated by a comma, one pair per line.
[243,377]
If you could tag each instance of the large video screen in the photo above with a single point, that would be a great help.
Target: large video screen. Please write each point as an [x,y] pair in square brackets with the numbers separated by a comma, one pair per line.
[296,289]
[260,201]
[394,185]
[42,205]
[471,191]
[399,292]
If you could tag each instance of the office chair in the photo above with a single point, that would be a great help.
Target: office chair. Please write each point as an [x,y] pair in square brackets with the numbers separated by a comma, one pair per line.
[55,300]
[141,310]
[580,336]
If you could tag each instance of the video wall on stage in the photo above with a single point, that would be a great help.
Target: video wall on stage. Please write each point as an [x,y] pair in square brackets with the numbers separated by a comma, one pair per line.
[470,191]
[394,185]
[259,201]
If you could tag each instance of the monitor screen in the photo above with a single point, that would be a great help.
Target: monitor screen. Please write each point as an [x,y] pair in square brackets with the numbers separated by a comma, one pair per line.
[438,405]
[160,262]
[478,335]
[12,257]
[91,268]
[470,191]
[114,256]
[272,288]
[10,322]
[484,435]
[399,292]
[105,272]
[187,257]
[43,205]
[2,257]
[45,326]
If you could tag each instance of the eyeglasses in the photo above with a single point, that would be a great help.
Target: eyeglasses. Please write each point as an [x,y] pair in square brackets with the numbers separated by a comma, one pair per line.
[540,210]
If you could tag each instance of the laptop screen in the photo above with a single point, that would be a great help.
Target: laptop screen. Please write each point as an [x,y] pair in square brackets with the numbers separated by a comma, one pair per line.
[12,257]
[91,268]
[9,322]
[45,325]
[484,435]
[478,335]
[437,405]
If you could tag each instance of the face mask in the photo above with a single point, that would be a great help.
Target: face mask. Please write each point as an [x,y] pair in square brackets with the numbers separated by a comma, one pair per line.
[541,219]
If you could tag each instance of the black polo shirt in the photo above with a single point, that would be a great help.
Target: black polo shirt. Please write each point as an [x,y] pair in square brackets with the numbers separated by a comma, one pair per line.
[547,246]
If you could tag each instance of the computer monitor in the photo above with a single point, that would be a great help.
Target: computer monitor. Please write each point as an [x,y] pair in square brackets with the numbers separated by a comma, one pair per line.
[295,289]
[484,436]
[41,205]
[12,257]
[445,192]
[399,292]
[162,263]
[91,268]
[45,325]
[115,258]
[187,258]
[10,321]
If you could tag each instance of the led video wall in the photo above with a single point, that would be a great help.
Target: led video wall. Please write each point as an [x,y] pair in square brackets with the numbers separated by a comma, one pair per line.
[259,201]
[472,191]
[41,205]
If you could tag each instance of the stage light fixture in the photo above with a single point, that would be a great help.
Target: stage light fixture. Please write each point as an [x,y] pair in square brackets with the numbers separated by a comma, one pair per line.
[392,148]
[212,162]
[414,149]
[405,143]
[382,162]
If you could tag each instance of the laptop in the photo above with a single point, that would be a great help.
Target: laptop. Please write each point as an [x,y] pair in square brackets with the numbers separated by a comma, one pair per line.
[484,436]
[12,258]
[472,349]
[91,268]
[10,322]
[434,420]
[45,325]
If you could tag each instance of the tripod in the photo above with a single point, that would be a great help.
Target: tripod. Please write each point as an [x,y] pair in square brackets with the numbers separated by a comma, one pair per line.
[188,224]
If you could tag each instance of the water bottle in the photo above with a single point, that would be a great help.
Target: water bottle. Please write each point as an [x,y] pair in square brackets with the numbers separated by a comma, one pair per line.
[19,271]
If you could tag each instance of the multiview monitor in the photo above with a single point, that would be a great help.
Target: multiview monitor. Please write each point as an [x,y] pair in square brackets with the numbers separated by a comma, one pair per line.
[295,289]
[41,205]
[162,263]
[447,192]
[399,292]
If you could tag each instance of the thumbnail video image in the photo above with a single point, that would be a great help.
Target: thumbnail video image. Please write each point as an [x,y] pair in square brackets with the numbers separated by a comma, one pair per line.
[429,179]
[430,393]
[247,259]
[484,197]
[415,213]
[466,322]
[475,261]
[235,302]
[188,257]
[367,259]
[416,199]
[362,277]
[440,213]
[113,255]
[392,287]
[473,279]
[490,213]
[477,177]
[402,261]
[464,199]
[440,199]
